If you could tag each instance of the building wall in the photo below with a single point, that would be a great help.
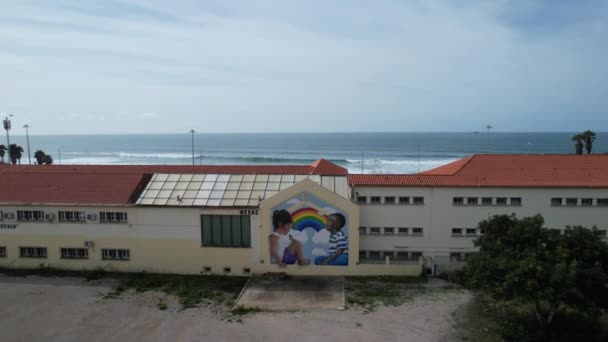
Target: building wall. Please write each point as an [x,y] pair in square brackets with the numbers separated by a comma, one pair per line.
[438,215]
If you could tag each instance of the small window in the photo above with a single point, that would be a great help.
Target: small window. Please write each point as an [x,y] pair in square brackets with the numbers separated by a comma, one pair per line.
[30,215]
[207,269]
[389,230]
[110,216]
[486,200]
[404,200]
[247,271]
[415,256]
[115,254]
[2,251]
[389,199]
[602,201]
[374,230]
[32,252]
[375,199]
[458,200]
[227,270]
[586,202]
[403,231]
[74,253]
[501,201]
[402,256]
[419,200]
[388,254]
[556,201]
[72,216]
[362,230]
[571,201]
[417,231]
[472,200]
[471,231]
[362,255]
[516,201]
[374,255]
[362,199]
[457,231]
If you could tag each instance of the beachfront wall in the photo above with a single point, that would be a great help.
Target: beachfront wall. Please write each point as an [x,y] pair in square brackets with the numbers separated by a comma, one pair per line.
[438,215]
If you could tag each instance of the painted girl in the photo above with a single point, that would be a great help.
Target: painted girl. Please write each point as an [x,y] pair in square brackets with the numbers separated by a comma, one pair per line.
[284,249]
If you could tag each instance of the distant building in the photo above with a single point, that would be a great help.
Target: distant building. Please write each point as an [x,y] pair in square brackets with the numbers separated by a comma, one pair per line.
[218,219]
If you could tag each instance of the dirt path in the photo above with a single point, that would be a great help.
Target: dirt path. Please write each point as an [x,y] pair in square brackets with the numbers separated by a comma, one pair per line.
[69,309]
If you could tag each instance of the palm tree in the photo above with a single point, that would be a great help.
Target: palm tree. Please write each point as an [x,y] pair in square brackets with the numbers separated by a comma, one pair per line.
[39,155]
[47,160]
[589,138]
[579,143]
[15,153]
[2,152]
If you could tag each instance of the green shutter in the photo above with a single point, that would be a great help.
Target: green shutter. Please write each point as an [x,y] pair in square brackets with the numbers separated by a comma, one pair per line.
[216,230]
[236,231]
[226,231]
[246,230]
[206,230]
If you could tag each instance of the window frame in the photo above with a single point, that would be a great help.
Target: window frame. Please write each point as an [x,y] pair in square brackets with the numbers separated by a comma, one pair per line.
[518,201]
[372,230]
[554,201]
[63,255]
[3,252]
[372,200]
[586,199]
[35,248]
[457,232]
[414,233]
[361,199]
[418,200]
[384,231]
[484,200]
[501,199]
[407,231]
[457,200]
[107,251]
[389,200]
[234,231]
[474,202]
[402,200]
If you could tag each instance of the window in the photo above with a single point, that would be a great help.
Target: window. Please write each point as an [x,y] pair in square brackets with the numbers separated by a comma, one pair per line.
[388,254]
[362,199]
[403,231]
[374,230]
[207,269]
[1,215]
[72,216]
[362,255]
[416,231]
[2,251]
[602,201]
[115,254]
[456,257]
[30,215]
[419,200]
[226,231]
[362,230]
[556,201]
[501,201]
[389,199]
[472,200]
[486,200]
[32,252]
[227,270]
[374,255]
[74,253]
[516,201]
[389,230]
[471,231]
[457,231]
[458,200]
[571,201]
[404,200]
[415,256]
[247,271]
[109,216]
[586,201]
[375,199]
[402,256]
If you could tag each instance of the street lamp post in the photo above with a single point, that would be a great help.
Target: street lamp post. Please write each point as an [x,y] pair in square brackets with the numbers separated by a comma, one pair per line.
[192,132]
[7,127]
[27,135]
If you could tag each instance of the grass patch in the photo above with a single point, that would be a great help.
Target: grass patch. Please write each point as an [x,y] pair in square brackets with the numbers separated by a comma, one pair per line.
[370,292]
[241,310]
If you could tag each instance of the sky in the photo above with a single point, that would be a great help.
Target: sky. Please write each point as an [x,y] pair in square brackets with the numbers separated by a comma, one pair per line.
[155,66]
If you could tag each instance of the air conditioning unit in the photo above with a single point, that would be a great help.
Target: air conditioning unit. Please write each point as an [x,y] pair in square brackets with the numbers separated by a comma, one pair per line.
[89,243]
[49,216]
[92,217]
[9,216]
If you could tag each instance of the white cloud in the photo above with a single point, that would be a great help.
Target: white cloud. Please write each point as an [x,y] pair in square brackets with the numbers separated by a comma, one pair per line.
[293,201]
[319,252]
[321,237]
[330,210]
[300,236]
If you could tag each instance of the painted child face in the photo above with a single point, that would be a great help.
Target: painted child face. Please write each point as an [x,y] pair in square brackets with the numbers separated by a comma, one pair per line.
[331,223]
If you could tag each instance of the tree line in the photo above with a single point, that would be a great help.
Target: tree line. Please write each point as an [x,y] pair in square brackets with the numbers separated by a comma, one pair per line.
[15,153]
[585,140]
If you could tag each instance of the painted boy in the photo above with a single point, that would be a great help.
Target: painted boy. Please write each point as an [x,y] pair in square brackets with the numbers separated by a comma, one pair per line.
[338,242]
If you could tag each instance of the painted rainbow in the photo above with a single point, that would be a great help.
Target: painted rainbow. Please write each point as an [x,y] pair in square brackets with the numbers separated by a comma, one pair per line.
[308,218]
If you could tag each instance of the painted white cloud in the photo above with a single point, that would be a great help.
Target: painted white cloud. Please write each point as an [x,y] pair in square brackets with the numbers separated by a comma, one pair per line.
[293,201]
[318,252]
[300,236]
[330,210]
[321,237]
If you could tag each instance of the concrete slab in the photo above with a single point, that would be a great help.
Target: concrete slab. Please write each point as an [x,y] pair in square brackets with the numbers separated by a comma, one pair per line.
[294,293]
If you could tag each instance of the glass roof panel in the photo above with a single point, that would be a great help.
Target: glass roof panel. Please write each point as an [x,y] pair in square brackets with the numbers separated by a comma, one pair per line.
[230,194]
[194,185]
[203,194]
[246,186]
[146,201]
[207,185]
[173,201]
[213,202]
[285,186]
[187,202]
[223,178]
[261,178]
[236,178]
[211,178]
[259,186]
[198,178]
[164,194]
[156,185]
[271,193]
[241,202]
[152,193]
[153,177]
[257,194]
[181,185]
[169,185]
[243,194]
[227,202]
[190,194]
[233,185]
[248,178]
[160,201]
[253,202]
[176,193]
[200,202]
[288,178]
[220,186]
[273,186]
[274,178]
[161,177]
[174,177]
[217,194]
[185,177]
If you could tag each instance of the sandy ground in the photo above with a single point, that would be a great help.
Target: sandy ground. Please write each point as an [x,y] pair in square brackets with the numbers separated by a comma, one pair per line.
[68,309]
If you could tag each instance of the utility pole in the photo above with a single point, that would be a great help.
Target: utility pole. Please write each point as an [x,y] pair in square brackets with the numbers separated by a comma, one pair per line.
[488,127]
[27,135]
[7,127]
[361,162]
[192,132]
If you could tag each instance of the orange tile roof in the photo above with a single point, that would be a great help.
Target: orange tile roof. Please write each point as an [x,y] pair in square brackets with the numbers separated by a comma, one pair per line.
[503,170]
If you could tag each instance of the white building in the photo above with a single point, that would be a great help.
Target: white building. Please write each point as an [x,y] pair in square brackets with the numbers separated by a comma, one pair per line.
[218,219]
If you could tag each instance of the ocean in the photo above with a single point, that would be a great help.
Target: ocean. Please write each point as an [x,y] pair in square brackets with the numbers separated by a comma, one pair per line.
[380,152]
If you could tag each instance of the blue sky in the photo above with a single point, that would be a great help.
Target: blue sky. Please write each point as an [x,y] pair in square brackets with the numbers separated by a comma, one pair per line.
[298,66]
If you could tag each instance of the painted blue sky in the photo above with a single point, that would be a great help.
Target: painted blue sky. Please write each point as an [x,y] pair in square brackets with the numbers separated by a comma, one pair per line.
[154,66]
